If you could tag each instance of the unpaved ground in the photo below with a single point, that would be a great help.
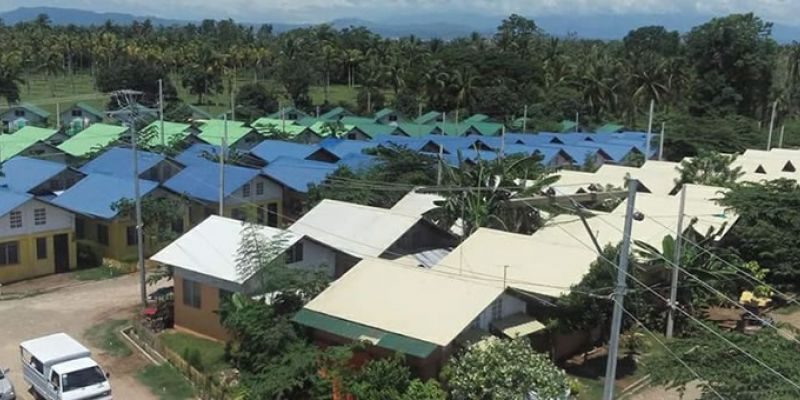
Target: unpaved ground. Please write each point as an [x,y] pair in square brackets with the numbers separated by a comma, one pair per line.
[73,309]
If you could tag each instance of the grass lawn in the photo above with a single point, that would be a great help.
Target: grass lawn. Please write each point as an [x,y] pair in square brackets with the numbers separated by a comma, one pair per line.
[104,336]
[47,92]
[212,354]
[790,309]
[166,382]
[97,273]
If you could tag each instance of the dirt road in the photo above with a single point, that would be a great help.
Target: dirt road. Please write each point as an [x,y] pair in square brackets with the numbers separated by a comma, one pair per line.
[73,310]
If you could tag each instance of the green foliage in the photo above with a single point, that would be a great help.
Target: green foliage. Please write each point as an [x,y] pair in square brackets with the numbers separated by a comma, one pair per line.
[383,379]
[503,370]
[367,105]
[135,74]
[160,217]
[165,382]
[203,354]
[254,101]
[90,254]
[768,229]
[98,273]
[710,169]
[740,377]
[193,358]
[296,75]
[106,337]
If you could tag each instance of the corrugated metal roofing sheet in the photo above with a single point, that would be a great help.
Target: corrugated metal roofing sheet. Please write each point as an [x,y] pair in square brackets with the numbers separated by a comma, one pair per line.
[95,137]
[298,174]
[118,161]
[201,180]
[22,174]
[96,193]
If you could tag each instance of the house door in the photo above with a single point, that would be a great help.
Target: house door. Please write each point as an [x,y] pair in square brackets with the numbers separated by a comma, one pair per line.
[61,250]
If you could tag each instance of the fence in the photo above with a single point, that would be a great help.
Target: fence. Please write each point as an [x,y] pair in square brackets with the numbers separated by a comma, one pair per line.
[207,387]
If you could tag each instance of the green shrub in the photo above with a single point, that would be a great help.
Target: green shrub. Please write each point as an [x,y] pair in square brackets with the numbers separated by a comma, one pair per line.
[89,255]
[193,358]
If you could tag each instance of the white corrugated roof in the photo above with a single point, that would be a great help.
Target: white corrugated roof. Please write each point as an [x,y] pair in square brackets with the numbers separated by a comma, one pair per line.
[536,264]
[410,301]
[358,230]
[211,248]
[572,182]
[416,204]
[658,178]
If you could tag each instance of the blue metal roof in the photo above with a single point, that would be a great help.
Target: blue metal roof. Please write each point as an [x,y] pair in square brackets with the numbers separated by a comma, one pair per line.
[470,155]
[578,154]
[23,174]
[194,154]
[118,161]
[10,200]
[201,180]
[269,150]
[343,147]
[358,162]
[96,193]
[298,174]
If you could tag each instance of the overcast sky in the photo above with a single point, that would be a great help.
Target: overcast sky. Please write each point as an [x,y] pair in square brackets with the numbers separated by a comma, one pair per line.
[782,11]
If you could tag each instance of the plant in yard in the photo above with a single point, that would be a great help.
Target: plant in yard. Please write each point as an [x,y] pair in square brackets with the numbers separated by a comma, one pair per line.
[709,168]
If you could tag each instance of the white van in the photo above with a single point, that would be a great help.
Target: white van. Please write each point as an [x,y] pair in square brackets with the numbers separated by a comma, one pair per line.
[59,368]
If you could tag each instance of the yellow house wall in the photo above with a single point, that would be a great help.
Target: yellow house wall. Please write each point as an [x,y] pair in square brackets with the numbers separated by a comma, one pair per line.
[197,212]
[203,320]
[29,266]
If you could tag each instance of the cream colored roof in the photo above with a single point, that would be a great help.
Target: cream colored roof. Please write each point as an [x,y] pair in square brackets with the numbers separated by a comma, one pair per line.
[658,179]
[410,301]
[416,204]
[358,230]
[211,248]
[572,182]
[536,264]
[663,210]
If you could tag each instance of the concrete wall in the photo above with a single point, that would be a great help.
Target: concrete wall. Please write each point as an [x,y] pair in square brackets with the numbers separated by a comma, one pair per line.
[509,305]
[29,265]
[56,219]
[203,320]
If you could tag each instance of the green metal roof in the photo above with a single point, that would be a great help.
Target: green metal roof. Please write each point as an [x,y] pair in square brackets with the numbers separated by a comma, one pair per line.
[334,113]
[453,129]
[357,120]
[95,137]
[287,111]
[427,118]
[382,113]
[11,145]
[172,131]
[488,128]
[90,109]
[356,331]
[34,109]
[414,129]
[568,126]
[477,118]
[610,128]
[266,125]
[198,110]
[213,130]
[374,130]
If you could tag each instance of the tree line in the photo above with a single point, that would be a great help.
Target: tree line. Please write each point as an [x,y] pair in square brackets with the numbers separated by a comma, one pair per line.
[714,86]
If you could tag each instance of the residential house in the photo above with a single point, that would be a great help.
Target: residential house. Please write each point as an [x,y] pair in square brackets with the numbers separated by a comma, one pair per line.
[369,232]
[20,115]
[245,190]
[237,135]
[424,315]
[92,139]
[652,179]
[33,142]
[569,126]
[288,113]
[36,238]
[38,177]
[94,198]
[268,127]
[414,129]
[296,176]
[80,116]
[206,272]
[610,128]
[477,118]
[118,161]
[371,131]
[429,118]
[173,133]
[335,114]
[191,112]
[269,150]
[134,111]
[388,116]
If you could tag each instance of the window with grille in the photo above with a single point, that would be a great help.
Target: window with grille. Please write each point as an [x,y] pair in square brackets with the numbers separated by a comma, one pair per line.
[39,216]
[259,188]
[9,253]
[191,293]
[16,219]
[41,248]
[246,190]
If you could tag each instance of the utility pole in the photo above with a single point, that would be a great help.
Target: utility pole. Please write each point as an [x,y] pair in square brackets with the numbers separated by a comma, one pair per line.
[780,138]
[58,115]
[444,124]
[161,110]
[673,288]
[772,124]
[456,121]
[661,142]
[222,152]
[649,130]
[524,118]
[439,166]
[502,141]
[577,122]
[233,105]
[139,227]
[419,110]
[619,294]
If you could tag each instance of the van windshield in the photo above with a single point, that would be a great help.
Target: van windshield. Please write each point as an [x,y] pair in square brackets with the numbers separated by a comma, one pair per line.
[83,378]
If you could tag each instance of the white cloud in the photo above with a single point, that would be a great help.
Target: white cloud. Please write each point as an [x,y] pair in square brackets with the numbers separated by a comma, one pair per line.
[325,10]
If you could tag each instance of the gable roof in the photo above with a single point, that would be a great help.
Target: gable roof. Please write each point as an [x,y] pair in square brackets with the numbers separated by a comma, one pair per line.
[22,174]
[655,180]
[369,231]
[414,302]
[33,109]
[383,112]
[334,113]
[10,200]
[343,147]
[414,203]
[414,129]
[428,117]
[357,120]
[90,109]
[172,131]
[568,126]
[285,111]
[374,130]
[194,154]
[212,131]
[298,174]
[268,125]
[269,150]
[212,247]
[477,118]
[118,161]
[95,137]
[21,140]
[96,193]
[201,180]
[610,128]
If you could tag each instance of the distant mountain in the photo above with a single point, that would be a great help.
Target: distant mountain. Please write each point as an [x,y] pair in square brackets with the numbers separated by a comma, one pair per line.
[455,24]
